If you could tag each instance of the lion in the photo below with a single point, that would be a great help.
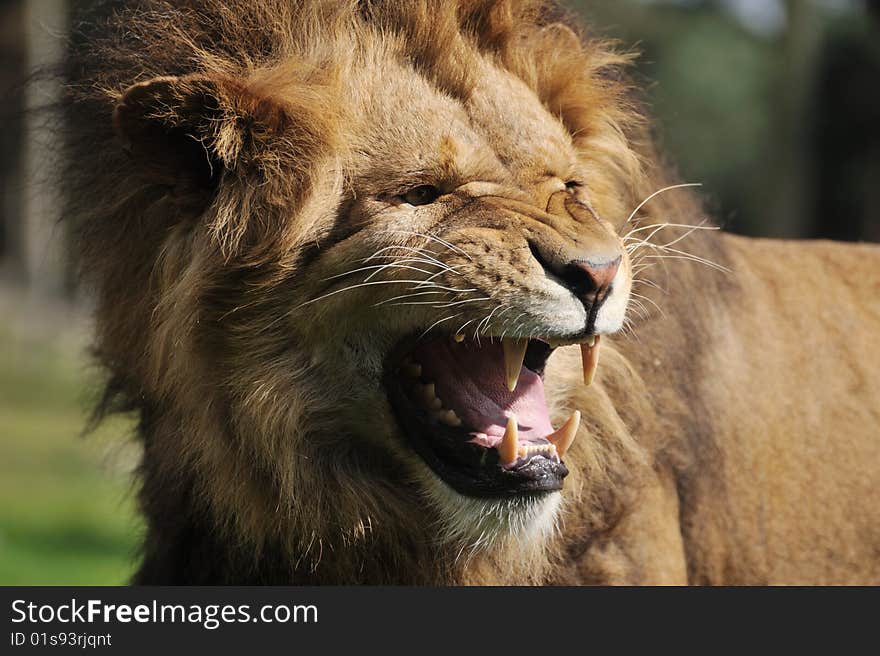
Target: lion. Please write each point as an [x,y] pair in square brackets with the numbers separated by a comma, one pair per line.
[401,293]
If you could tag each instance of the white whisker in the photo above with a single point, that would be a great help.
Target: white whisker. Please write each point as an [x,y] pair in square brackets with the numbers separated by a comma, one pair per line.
[437,323]
[649,300]
[371,268]
[657,193]
[691,258]
[431,238]
[417,284]
[467,300]
[402,296]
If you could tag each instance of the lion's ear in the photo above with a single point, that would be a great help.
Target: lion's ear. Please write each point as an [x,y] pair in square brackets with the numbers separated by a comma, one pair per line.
[184,132]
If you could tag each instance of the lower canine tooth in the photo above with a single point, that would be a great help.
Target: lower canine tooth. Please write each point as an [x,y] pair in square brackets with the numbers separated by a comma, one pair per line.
[458,338]
[590,358]
[509,446]
[563,437]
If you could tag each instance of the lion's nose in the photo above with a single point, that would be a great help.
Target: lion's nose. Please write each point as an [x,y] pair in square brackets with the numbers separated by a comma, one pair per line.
[589,278]
[592,276]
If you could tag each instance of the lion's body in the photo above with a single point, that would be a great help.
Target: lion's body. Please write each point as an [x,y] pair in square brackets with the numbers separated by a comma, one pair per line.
[732,436]
[767,424]
[794,419]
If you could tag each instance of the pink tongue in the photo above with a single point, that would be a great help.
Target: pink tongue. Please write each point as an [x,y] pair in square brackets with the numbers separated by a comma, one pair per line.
[470,380]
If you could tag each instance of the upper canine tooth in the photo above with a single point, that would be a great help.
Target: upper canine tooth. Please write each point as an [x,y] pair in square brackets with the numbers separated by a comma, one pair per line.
[563,437]
[458,337]
[514,353]
[509,446]
[590,358]
[428,393]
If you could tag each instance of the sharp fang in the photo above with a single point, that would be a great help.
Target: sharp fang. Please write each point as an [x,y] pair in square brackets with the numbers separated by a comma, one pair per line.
[590,358]
[428,393]
[563,437]
[458,338]
[514,353]
[507,449]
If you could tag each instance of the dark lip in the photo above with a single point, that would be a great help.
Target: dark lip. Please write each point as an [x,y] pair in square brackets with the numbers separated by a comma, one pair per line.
[469,469]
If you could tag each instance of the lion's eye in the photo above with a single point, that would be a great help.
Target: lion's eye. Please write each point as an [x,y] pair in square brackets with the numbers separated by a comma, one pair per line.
[578,191]
[421,195]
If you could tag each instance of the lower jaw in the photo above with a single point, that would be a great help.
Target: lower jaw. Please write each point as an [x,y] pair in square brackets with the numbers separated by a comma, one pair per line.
[480,477]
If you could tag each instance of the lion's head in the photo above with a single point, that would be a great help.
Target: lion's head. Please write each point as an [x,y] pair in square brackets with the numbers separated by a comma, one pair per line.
[334,248]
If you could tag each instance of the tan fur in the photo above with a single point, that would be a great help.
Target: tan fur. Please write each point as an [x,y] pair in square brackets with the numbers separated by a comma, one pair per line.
[239,164]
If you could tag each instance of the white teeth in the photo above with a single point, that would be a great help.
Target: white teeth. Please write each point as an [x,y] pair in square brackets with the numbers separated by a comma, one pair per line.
[514,353]
[563,437]
[509,446]
[590,358]
[536,449]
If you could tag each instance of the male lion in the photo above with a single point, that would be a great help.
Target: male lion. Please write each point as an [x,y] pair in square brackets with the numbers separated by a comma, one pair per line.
[355,264]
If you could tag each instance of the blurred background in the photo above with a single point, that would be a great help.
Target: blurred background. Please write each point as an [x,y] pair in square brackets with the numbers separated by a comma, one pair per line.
[773,105]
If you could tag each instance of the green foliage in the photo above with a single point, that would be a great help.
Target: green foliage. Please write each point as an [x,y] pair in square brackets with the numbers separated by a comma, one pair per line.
[746,112]
[66,508]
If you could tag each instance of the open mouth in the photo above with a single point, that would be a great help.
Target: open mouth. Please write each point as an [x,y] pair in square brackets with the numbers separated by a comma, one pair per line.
[475,411]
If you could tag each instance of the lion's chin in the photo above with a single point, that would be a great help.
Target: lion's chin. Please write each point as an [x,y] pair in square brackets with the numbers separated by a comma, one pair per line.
[483,523]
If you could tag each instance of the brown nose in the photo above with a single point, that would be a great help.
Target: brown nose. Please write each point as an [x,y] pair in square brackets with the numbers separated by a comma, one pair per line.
[590,279]
[598,273]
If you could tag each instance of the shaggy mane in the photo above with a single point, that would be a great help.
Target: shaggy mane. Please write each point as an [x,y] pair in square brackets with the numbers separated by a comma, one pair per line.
[161,287]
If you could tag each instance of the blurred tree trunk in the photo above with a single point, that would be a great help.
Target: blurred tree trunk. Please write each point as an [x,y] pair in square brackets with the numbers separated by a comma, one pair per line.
[45,263]
[789,199]
[12,54]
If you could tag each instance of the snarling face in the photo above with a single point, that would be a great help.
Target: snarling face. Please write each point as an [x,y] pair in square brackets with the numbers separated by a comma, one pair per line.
[432,248]
[468,250]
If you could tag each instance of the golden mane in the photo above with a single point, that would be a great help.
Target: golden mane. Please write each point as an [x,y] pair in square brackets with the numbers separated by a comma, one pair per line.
[184,351]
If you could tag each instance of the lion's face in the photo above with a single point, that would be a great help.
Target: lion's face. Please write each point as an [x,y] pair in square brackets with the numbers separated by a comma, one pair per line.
[446,245]
[471,249]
